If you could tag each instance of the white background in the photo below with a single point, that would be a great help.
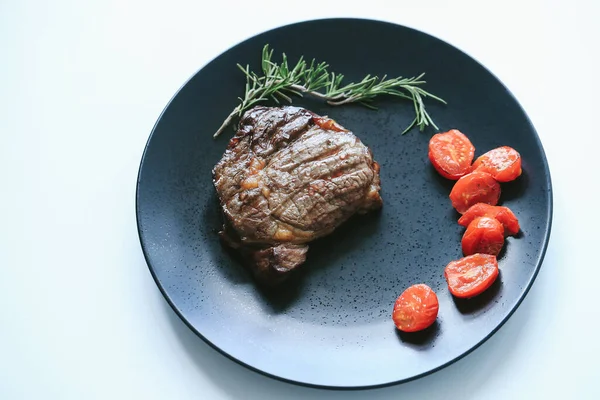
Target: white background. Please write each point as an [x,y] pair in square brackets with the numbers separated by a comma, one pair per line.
[81,85]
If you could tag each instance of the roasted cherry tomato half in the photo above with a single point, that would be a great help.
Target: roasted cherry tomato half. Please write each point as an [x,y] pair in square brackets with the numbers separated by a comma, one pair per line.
[471,275]
[503,163]
[451,154]
[483,235]
[501,213]
[473,188]
[415,309]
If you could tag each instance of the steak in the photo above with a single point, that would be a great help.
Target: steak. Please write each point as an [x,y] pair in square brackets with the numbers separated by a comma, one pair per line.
[288,177]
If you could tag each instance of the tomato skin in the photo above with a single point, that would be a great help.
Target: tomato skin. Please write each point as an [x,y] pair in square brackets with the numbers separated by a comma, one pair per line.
[471,275]
[503,163]
[483,235]
[451,154]
[503,214]
[473,188]
[415,309]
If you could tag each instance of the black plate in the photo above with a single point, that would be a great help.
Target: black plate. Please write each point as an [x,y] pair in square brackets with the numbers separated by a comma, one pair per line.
[331,326]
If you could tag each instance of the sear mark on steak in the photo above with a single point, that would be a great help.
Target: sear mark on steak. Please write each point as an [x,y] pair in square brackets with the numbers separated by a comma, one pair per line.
[288,177]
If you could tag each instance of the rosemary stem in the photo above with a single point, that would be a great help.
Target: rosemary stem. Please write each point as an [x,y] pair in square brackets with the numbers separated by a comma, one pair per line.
[316,94]
[227,121]
[280,81]
[330,99]
[342,102]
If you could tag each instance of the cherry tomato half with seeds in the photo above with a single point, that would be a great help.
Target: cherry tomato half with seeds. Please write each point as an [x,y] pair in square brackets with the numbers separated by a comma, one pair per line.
[483,235]
[451,154]
[503,163]
[473,188]
[415,309]
[471,275]
[503,214]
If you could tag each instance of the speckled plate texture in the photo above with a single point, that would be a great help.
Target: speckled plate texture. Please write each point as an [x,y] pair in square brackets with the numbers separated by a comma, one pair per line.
[331,325]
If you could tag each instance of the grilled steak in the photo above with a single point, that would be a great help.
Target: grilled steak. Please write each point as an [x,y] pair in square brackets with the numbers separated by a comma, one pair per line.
[288,177]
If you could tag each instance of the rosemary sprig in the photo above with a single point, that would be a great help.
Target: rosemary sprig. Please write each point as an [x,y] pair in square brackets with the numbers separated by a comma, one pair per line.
[279,81]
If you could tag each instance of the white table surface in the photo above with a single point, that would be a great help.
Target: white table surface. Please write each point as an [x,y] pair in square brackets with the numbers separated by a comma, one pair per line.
[81,86]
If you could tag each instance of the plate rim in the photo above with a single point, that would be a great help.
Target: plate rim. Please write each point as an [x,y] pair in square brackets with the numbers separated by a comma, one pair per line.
[527,288]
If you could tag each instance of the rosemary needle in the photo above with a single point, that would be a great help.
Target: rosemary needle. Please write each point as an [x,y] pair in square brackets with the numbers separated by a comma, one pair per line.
[279,82]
